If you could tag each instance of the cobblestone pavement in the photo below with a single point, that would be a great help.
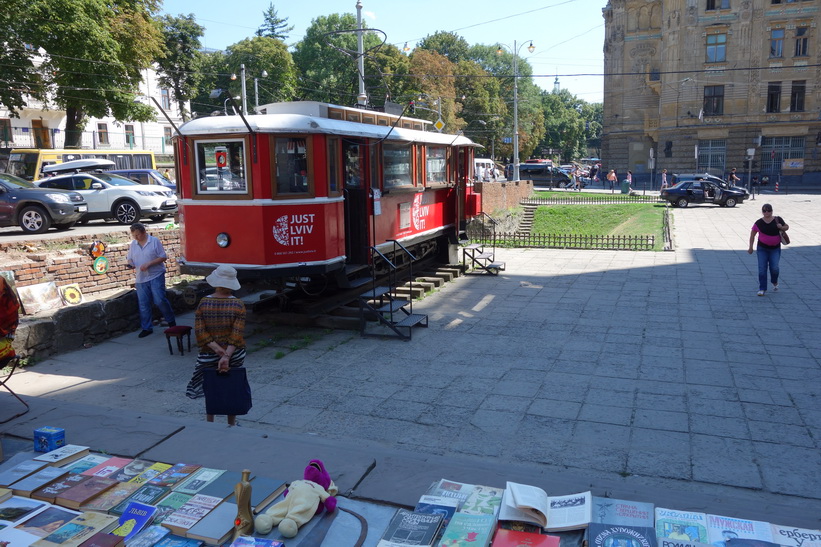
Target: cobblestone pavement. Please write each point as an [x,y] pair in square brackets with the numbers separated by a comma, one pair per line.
[661,369]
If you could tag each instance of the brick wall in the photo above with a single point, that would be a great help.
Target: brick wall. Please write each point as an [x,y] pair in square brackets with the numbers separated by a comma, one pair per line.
[75,265]
[501,196]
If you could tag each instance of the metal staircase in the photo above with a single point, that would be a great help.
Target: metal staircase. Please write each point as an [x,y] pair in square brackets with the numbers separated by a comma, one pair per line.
[475,256]
[383,303]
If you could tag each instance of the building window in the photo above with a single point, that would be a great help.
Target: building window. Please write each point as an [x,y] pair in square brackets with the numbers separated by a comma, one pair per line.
[801,42]
[777,42]
[712,156]
[102,133]
[129,134]
[716,48]
[717,4]
[167,134]
[5,130]
[774,150]
[799,89]
[713,100]
[774,97]
[165,99]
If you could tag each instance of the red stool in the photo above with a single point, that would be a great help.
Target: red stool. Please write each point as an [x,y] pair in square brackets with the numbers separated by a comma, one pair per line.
[178,332]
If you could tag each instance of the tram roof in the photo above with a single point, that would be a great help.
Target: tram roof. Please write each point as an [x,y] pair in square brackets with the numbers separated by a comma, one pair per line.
[300,123]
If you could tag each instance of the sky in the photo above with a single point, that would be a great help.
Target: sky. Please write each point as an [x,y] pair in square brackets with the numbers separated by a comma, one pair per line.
[568,35]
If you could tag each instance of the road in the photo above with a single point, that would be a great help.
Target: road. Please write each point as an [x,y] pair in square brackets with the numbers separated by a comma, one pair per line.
[14,234]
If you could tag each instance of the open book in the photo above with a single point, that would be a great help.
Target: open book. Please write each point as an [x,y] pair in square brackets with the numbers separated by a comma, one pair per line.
[531,504]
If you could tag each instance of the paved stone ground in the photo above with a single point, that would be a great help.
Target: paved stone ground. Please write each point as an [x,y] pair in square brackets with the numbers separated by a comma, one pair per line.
[660,369]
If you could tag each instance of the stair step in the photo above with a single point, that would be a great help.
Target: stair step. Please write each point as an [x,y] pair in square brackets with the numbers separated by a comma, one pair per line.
[434,281]
[481,256]
[473,246]
[376,292]
[498,265]
[405,291]
[411,320]
[392,306]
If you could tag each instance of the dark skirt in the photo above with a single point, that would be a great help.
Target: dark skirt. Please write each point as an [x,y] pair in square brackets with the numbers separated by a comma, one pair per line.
[209,360]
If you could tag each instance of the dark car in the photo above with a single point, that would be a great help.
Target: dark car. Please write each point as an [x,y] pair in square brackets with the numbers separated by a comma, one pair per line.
[35,209]
[703,188]
[545,175]
[145,176]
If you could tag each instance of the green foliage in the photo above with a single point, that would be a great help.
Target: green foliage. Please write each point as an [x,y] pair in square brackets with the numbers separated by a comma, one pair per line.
[258,54]
[448,44]
[274,26]
[180,62]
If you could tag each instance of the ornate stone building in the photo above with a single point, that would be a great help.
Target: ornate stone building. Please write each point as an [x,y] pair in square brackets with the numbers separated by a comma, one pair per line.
[702,83]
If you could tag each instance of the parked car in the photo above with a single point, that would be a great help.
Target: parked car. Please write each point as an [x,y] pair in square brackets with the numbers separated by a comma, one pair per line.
[703,188]
[545,175]
[145,176]
[35,209]
[113,196]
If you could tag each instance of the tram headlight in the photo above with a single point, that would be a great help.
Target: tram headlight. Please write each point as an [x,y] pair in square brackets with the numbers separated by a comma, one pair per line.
[223,240]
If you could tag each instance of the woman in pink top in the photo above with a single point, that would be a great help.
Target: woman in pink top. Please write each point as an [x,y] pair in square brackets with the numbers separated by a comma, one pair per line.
[769,229]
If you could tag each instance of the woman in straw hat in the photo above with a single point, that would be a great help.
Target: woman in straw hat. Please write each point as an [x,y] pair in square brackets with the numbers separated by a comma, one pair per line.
[219,323]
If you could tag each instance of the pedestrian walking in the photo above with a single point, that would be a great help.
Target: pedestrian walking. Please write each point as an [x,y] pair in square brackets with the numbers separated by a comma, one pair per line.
[733,178]
[219,326]
[147,256]
[629,181]
[769,229]
[611,178]
[663,179]
[755,186]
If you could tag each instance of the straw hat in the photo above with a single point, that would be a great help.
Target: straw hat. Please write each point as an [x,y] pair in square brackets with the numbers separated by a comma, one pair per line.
[224,276]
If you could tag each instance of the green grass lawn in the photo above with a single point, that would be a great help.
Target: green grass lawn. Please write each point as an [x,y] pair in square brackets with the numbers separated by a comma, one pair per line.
[626,219]
[567,194]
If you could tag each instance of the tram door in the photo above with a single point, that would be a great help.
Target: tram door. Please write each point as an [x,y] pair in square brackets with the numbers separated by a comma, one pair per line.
[356,201]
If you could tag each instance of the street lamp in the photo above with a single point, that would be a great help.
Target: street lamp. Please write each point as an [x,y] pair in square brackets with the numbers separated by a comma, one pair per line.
[516,49]
[256,89]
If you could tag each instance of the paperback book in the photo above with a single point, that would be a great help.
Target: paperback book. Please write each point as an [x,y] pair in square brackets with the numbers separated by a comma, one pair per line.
[48,521]
[465,529]
[134,519]
[170,503]
[151,472]
[174,475]
[522,502]
[132,469]
[516,538]
[105,502]
[44,477]
[198,480]
[84,492]
[410,528]
[181,520]
[85,463]
[216,527]
[790,536]
[620,535]
[729,531]
[17,509]
[49,493]
[451,489]
[483,500]
[20,471]
[172,540]
[148,537]
[247,541]
[437,505]
[108,468]
[77,530]
[63,455]
[629,513]
[688,526]
[146,493]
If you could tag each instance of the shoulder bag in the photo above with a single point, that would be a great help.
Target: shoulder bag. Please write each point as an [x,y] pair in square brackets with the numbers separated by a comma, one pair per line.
[226,393]
[785,238]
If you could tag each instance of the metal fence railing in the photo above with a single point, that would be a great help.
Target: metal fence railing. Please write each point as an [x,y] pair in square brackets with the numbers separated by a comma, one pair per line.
[597,199]
[575,241]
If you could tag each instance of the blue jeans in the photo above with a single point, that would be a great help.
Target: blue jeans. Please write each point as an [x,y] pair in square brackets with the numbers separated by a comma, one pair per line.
[149,293]
[767,257]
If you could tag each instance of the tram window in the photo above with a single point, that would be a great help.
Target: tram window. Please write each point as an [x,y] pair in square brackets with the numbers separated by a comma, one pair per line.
[333,166]
[292,166]
[221,167]
[354,164]
[437,164]
[396,162]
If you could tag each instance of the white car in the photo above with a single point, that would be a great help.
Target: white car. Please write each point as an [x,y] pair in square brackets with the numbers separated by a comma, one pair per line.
[113,196]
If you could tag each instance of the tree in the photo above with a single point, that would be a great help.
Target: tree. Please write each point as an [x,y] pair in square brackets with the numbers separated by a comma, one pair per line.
[178,67]
[91,55]
[213,74]
[274,27]
[564,124]
[260,54]
[449,44]
[326,59]
[432,75]
[19,77]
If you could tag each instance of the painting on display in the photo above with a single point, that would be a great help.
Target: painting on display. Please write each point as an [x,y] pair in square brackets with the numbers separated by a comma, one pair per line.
[40,297]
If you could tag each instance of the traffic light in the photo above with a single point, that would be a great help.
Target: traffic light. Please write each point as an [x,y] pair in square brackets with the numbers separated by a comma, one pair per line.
[412,107]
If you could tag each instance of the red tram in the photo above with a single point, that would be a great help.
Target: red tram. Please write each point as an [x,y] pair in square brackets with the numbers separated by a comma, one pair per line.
[307,189]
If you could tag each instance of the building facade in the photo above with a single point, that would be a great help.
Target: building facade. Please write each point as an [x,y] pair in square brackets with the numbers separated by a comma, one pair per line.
[42,126]
[710,85]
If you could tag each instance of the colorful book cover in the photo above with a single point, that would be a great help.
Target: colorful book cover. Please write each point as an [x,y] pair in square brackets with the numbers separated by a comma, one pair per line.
[17,509]
[85,491]
[148,537]
[169,504]
[620,535]
[20,471]
[247,541]
[49,493]
[410,528]
[145,493]
[48,521]
[174,475]
[109,499]
[465,529]
[516,538]
[135,517]
[151,472]
[133,469]
[76,531]
[85,463]
[63,455]
[451,489]
[198,480]
[629,513]
[722,531]
[681,525]
[172,540]
[102,539]
[483,500]
[437,505]
[191,513]
[108,468]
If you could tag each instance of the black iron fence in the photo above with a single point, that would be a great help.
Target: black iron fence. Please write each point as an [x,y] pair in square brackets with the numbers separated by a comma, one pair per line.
[597,199]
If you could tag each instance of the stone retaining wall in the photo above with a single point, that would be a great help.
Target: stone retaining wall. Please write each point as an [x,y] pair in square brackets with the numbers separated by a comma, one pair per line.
[501,196]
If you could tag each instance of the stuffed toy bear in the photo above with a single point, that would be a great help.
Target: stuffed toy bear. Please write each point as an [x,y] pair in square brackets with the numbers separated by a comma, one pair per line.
[303,499]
